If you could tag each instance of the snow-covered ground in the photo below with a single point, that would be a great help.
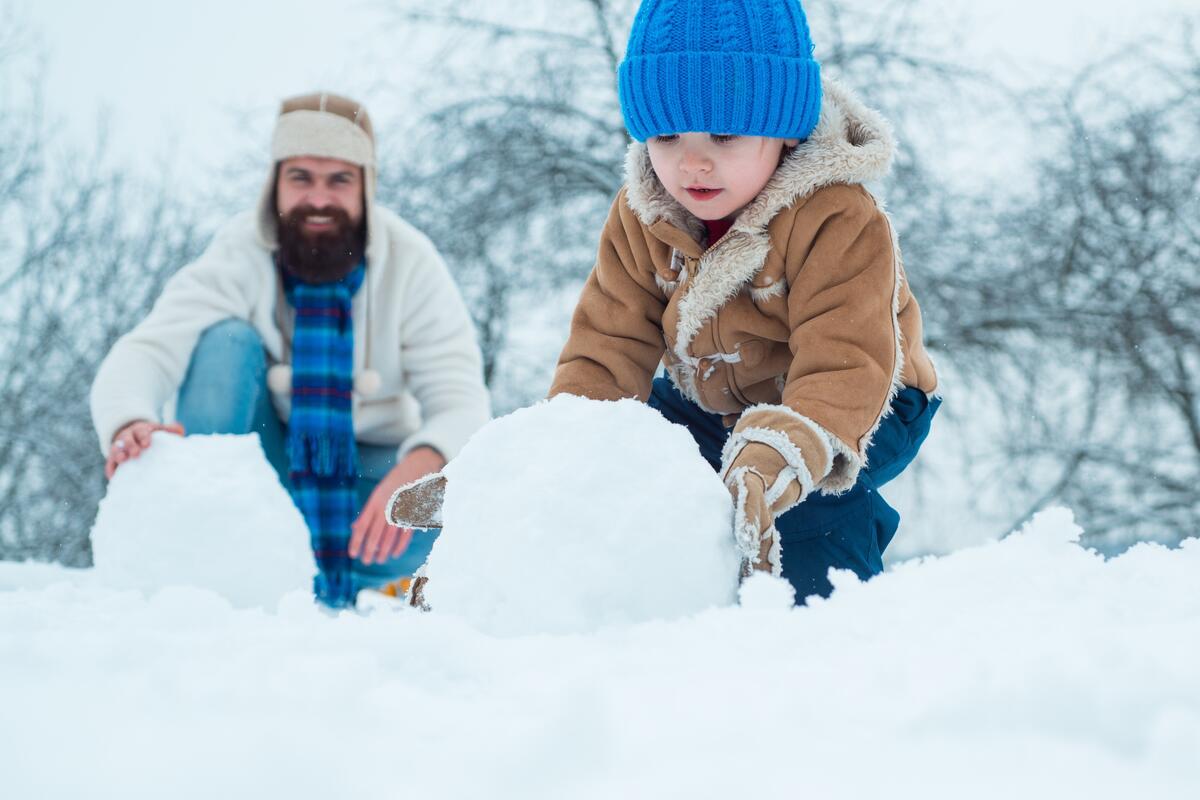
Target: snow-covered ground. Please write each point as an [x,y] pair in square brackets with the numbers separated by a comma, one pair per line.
[1027,667]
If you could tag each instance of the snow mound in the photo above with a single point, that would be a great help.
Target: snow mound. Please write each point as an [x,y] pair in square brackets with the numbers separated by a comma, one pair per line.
[766,592]
[1025,668]
[206,512]
[574,514]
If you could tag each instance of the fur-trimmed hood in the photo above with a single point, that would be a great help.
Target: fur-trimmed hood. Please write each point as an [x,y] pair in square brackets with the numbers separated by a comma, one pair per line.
[851,144]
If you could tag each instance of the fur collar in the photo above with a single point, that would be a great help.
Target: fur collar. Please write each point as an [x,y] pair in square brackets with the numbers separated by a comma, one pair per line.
[851,144]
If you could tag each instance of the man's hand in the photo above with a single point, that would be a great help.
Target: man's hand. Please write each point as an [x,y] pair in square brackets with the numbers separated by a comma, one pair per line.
[372,540]
[131,440]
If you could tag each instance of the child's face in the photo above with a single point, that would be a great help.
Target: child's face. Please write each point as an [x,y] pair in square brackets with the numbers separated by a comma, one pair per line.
[712,175]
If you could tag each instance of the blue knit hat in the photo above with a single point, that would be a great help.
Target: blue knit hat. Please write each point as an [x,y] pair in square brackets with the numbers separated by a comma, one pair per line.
[720,66]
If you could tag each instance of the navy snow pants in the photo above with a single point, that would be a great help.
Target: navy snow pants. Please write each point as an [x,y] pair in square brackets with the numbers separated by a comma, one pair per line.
[847,531]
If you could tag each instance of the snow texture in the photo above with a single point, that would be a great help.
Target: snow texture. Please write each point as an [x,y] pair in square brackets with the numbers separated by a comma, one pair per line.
[764,591]
[207,512]
[1027,667]
[584,643]
[574,514]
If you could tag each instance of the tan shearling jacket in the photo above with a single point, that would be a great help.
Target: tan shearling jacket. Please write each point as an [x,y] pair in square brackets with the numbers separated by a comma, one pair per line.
[798,325]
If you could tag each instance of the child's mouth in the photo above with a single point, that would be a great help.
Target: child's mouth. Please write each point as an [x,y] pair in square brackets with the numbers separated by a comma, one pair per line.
[703,192]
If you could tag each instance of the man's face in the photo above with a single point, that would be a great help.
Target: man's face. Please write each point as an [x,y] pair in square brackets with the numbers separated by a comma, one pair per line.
[715,176]
[320,184]
[319,202]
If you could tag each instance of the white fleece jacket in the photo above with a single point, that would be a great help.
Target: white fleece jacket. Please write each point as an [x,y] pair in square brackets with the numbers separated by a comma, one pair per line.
[410,326]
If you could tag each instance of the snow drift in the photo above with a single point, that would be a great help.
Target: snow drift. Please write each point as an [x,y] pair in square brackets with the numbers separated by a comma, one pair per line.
[1027,667]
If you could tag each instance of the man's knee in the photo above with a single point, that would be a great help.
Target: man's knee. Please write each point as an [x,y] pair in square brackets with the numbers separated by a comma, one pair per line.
[231,339]
[225,383]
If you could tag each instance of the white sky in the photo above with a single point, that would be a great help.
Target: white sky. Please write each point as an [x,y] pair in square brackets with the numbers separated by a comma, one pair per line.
[176,77]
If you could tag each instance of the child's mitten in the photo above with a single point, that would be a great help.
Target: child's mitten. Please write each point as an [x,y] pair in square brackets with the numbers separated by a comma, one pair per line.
[757,503]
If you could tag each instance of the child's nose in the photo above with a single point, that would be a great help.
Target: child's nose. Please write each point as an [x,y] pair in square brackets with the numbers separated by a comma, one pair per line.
[695,161]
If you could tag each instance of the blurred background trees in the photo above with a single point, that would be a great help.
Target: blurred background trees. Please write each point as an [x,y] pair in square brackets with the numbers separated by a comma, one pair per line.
[1062,301]
[84,250]
[1103,298]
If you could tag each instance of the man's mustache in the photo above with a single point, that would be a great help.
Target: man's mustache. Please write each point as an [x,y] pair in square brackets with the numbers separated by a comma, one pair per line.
[301,214]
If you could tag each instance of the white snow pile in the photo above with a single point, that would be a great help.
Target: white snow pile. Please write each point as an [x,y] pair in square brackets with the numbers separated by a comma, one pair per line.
[1024,668]
[574,514]
[202,511]
[1028,667]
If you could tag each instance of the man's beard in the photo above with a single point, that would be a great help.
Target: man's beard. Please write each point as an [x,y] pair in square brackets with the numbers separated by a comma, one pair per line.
[320,257]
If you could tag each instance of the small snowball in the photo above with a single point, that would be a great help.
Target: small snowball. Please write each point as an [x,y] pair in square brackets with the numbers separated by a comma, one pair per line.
[207,512]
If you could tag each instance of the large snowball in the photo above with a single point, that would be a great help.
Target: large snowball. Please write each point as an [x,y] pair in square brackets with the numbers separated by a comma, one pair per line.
[203,511]
[575,514]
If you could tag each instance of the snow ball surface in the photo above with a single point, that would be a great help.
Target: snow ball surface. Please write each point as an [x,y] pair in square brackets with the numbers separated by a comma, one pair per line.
[202,511]
[575,514]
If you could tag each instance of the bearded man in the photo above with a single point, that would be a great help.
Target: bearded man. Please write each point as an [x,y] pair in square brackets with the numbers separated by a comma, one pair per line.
[327,325]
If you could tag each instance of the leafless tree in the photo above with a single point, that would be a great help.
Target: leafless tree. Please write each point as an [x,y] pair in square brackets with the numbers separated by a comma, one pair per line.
[86,249]
[1102,299]
[95,259]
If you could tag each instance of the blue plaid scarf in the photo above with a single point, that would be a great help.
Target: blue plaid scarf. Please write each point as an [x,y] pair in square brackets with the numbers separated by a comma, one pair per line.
[322,455]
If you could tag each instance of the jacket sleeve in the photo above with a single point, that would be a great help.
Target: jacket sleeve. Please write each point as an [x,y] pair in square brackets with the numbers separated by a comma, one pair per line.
[443,367]
[146,366]
[843,279]
[616,338]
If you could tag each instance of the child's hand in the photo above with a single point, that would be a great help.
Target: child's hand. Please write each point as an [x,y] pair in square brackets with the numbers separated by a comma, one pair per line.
[753,523]
[755,508]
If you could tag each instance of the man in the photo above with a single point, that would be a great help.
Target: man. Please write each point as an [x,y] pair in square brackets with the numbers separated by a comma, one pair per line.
[327,325]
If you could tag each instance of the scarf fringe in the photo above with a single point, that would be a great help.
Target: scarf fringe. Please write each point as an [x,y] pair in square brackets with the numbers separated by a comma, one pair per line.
[322,456]
[334,588]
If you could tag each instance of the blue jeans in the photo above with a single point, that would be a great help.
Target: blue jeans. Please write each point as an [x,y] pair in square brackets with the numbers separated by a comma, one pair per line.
[225,391]
[847,531]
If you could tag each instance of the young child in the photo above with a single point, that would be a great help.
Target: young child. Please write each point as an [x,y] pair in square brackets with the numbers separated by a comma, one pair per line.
[745,254]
